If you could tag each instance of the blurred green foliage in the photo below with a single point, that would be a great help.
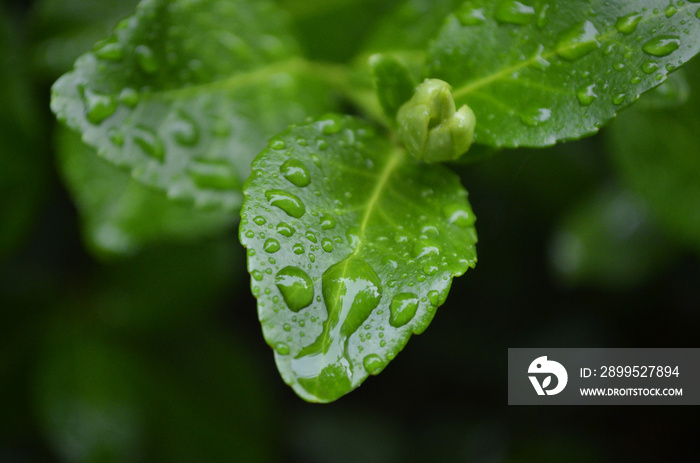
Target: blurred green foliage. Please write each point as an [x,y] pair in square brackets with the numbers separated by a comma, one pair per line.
[157,355]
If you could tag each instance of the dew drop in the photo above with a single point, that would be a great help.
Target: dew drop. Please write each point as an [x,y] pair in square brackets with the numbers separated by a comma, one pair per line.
[671,10]
[285,229]
[329,126]
[662,45]
[578,41]
[146,59]
[213,175]
[129,97]
[434,298]
[327,244]
[327,222]
[426,248]
[628,24]
[149,142]
[109,51]
[298,249]
[650,67]
[257,274]
[514,12]
[311,237]
[98,107]
[535,117]
[373,364]
[271,245]
[289,203]
[470,16]
[586,96]
[619,99]
[403,308]
[260,220]
[296,287]
[278,145]
[295,171]
[282,348]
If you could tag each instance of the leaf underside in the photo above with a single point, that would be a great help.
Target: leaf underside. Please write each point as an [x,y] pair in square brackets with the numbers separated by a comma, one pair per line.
[351,247]
[537,72]
[185,93]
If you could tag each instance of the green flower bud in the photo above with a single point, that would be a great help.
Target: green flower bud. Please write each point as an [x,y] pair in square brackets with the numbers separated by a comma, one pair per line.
[429,126]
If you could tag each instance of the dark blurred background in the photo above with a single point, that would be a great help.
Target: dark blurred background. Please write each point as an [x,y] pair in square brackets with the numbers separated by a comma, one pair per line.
[157,355]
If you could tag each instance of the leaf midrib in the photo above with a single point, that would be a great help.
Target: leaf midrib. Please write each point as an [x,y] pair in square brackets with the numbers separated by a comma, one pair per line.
[472,86]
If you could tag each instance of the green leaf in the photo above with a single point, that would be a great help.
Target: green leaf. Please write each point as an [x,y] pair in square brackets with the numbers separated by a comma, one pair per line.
[656,153]
[395,86]
[184,94]
[538,72]
[351,247]
[119,215]
[609,241]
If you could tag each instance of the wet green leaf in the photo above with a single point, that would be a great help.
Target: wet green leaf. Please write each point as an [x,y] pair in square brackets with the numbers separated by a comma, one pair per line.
[184,94]
[351,246]
[656,152]
[120,215]
[538,72]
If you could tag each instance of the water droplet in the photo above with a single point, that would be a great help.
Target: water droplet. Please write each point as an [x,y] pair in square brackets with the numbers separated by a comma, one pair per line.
[426,248]
[98,107]
[146,59]
[260,220]
[434,298]
[535,117]
[296,287]
[285,229]
[578,41]
[311,237]
[289,203]
[650,67]
[513,12]
[697,13]
[257,275]
[327,244]
[403,309]
[619,99]
[278,145]
[459,214]
[271,245]
[185,130]
[470,16]
[287,327]
[635,80]
[149,142]
[298,249]
[586,96]
[116,136]
[373,364]
[281,348]
[671,10]
[213,175]
[619,66]
[327,222]
[295,171]
[662,45]
[329,126]
[628,24]
[109,50]
[129,97]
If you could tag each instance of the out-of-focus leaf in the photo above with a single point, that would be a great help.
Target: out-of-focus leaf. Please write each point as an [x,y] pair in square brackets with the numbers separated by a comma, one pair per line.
[62,30]
[119,215]
[184,94]
[540,72]
[23,166]
[609,241]
[352,246]
[658,155]
[674,92]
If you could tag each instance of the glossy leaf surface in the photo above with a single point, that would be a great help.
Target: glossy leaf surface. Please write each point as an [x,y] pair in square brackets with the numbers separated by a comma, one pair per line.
[120,215]
[540,72]
[657,154]
[351,247]
[184,94]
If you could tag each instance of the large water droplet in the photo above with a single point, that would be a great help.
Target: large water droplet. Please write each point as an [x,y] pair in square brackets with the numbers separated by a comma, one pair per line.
[586,96]
[671,10]
[296,287]
[470,16]
[282,348]
[513,12]
[213,175]
[327,244]
[535,117]
[289,203]
[373,364]
[327,222]
[149,142]
[295,171]
[146,59]
[662,45]
[403,309]
[459,214]
[628,24]
[650,67]
[98,107]
[425,248]
[285,229]
[271,245]
[578,41]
